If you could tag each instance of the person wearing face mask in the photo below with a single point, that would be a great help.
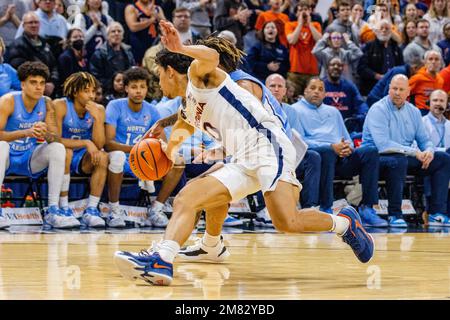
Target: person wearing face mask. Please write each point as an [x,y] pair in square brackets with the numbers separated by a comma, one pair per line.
[73,57]
[9,81]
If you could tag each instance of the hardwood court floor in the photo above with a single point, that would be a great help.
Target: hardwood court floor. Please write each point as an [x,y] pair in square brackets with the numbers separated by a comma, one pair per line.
[261,266]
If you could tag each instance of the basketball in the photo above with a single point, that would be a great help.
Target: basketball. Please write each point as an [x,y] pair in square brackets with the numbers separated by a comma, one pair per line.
[148,161]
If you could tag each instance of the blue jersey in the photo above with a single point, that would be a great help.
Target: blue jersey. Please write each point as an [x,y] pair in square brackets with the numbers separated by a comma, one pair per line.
[21,119]
[269,102]
[74,127]
[130,126]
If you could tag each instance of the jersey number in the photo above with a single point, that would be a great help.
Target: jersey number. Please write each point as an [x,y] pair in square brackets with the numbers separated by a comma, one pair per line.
[135,140]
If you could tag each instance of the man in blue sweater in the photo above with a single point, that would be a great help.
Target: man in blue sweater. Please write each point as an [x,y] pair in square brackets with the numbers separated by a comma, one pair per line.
[344,95]
[380,90]
[322,128]
[392,125]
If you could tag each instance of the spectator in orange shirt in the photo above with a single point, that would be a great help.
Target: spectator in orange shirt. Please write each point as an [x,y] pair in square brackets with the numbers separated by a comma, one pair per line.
[426,81]
[275,15]
[302,35]
[445,74]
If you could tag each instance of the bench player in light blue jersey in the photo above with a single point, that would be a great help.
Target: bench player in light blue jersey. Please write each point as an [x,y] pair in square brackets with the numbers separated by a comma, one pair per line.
[29,142]
[262,158]
[127,120]
[80,122]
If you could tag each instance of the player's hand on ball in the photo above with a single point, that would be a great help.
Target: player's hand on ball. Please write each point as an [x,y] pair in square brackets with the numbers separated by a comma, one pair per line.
[155,131]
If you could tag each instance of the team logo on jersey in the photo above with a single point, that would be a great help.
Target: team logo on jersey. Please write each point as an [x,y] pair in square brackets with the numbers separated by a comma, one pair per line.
[146,119]
[40,115]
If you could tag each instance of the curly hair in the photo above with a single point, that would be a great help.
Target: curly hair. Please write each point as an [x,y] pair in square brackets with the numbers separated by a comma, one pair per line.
[230,55]
[33,68]
[79,81]
[179,62]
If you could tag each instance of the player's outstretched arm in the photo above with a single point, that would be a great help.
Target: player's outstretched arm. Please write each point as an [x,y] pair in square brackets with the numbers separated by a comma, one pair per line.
[206,59]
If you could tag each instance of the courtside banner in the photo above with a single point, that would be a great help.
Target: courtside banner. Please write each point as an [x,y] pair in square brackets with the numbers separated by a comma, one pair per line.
[23,216]
[131,213]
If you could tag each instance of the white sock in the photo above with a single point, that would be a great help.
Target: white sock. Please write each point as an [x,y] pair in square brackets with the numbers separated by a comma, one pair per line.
[64,202]
[157,206]
[114,205]
[93,201]
[168,249]
[209,240]
[340,224]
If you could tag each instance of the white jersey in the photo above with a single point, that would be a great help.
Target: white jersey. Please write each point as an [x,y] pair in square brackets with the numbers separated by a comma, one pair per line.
[231,115]
[262,153]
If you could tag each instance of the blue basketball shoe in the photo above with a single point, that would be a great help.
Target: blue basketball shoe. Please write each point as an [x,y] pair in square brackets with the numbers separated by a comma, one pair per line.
[70,216]
[144,266]
[356,237]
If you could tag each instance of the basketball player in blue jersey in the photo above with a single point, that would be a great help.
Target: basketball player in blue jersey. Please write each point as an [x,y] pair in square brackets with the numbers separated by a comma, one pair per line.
[262,158]
[80,122]
[29,143]
[127,120]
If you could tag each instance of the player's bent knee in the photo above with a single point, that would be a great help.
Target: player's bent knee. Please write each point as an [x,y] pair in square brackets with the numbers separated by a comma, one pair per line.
[116,161]
[57,151]
[104,160]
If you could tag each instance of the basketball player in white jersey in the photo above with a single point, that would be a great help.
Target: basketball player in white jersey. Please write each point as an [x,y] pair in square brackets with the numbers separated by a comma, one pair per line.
[29,143]
[263,158]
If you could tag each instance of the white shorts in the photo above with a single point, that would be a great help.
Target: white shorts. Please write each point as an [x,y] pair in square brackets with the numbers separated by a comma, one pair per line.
[260,168]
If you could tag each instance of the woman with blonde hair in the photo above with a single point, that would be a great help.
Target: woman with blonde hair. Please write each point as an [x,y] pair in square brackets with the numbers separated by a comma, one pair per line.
[93,22]
[438,16]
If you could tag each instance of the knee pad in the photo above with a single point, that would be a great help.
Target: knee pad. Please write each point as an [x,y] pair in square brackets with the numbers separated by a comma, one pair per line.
[57,151]
[116,161]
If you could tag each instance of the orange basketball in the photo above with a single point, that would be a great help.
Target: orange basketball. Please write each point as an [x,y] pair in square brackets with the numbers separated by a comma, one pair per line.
[148,161]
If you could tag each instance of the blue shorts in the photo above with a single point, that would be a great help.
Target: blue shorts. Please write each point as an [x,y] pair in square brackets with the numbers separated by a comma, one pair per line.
[75,165]
[20,164]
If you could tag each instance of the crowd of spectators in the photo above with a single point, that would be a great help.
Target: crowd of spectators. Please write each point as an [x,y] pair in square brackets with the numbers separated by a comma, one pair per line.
[350,61]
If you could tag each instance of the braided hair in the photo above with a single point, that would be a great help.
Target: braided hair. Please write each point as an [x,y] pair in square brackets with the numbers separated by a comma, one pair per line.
[79,81]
